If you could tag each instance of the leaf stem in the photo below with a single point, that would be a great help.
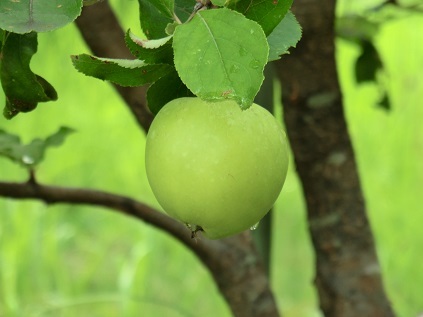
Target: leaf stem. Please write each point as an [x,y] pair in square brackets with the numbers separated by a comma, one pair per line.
[176,18]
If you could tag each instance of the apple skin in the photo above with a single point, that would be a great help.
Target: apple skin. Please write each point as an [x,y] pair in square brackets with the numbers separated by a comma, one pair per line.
[213,165]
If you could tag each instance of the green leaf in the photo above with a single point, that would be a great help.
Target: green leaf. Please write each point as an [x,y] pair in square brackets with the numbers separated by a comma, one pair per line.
[23,89]
[184,8]
[128,73]
[32,153]
[150,51]
[155,15]
[286,34]
[226,3]
[356,28]
[221,54]
[219,3]
[385,102]
[2,38]
[24,16]
[170,28]
[368,63]
[7,141]
[59,137]
[268,13]
[165,89]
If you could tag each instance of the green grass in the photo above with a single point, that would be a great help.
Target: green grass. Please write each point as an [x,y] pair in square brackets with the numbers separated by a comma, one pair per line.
[67,261]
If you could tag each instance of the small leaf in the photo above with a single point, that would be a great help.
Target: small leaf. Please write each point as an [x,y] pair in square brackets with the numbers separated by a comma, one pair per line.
[268,13]
[220,54]
[170,28]
[7,141]
[59,137]
[368,63]
[23,89]
[24,16]
[285,35]
[150,51]
[32,153]
[155,15]
[353,28]
[165,89]
[385,102]
[127,73]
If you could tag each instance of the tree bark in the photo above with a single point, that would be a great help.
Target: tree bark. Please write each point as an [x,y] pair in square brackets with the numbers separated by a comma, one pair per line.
[348,278]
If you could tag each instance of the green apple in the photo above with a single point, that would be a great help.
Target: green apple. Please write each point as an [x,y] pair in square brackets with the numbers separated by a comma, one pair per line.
[215,167]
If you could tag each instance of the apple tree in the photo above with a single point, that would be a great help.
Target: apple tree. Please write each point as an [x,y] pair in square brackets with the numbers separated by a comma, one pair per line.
[204,54]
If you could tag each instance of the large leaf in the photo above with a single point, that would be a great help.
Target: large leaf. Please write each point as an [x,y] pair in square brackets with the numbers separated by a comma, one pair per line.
[285,35]
[32,153]
[150,51]
[23,89]
[120,71]
[165,89]
[24,16]
[268,13]
[221,54]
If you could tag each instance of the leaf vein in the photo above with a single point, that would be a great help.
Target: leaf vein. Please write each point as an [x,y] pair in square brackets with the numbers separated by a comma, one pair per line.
[217,46]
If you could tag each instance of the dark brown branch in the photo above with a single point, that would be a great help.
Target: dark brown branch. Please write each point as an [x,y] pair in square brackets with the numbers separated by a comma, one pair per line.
[102,32]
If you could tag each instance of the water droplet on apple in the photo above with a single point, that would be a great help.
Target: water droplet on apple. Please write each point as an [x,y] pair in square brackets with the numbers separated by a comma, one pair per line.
[254,227]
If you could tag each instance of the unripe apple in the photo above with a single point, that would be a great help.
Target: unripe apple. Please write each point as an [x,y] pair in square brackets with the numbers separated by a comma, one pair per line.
[215,167]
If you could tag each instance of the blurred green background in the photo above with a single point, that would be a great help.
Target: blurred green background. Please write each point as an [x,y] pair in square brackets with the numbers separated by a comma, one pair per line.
[67,261]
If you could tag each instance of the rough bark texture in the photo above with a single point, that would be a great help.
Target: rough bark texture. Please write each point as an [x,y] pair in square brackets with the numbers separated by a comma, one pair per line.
[348,278]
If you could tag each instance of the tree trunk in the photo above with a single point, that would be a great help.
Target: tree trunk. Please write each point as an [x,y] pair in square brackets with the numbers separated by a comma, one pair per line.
[348,278]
